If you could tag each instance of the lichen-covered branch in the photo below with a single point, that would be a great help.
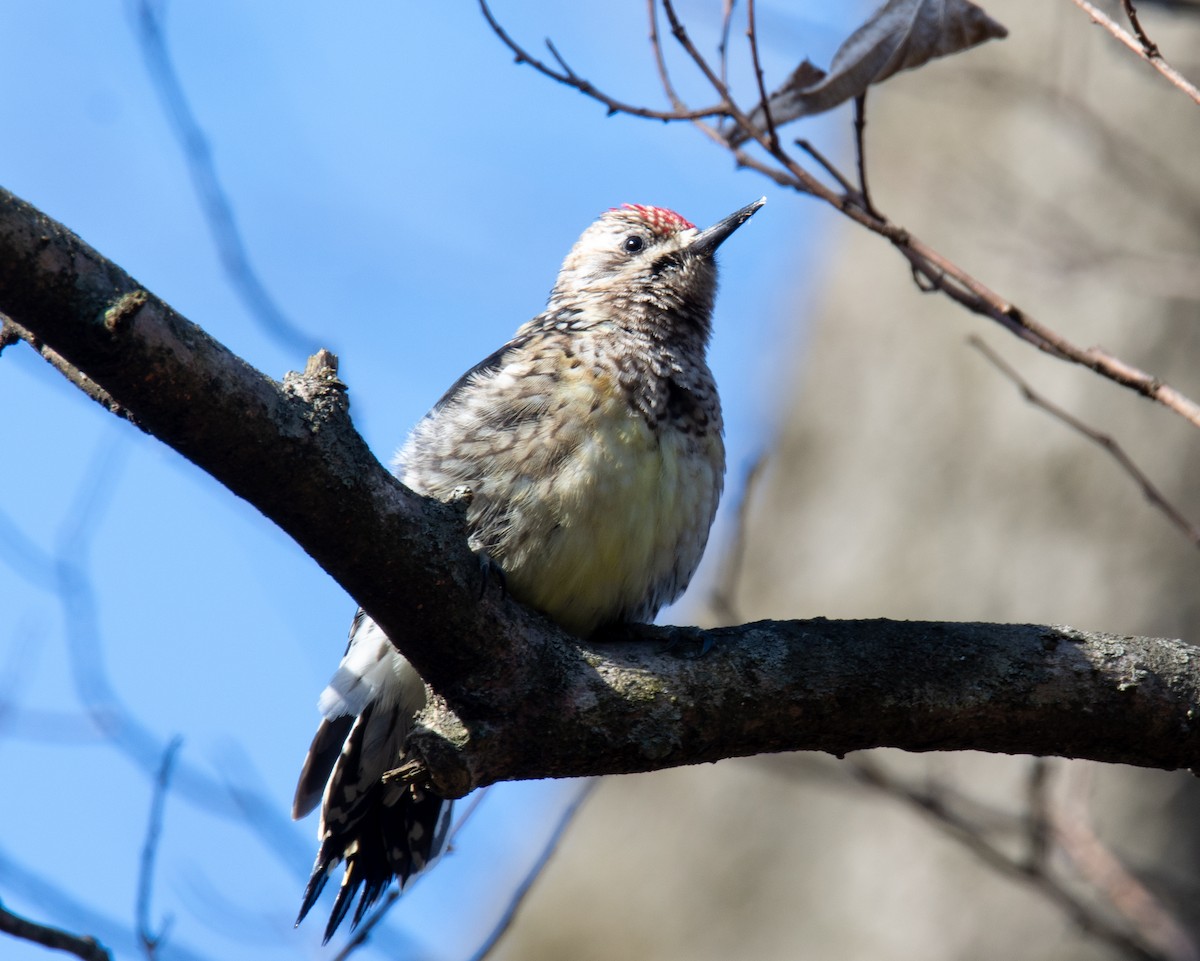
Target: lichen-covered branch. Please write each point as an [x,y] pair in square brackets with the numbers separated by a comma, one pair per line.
[837,686]
[515,696]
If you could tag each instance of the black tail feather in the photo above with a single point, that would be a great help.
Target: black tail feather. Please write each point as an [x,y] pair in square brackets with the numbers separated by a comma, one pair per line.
[318,763]
[381,831]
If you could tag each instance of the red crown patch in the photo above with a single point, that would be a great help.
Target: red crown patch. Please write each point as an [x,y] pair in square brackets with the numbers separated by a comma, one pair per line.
[659,219]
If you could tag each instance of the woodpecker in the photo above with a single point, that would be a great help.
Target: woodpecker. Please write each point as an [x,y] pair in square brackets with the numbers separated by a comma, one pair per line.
[592,446]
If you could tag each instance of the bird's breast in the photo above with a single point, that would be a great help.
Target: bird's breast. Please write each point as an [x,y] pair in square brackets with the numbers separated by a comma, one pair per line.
[614,509]
[596,504]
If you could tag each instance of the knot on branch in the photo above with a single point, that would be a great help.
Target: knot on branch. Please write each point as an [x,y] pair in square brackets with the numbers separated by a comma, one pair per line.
[319,386]
[119,317]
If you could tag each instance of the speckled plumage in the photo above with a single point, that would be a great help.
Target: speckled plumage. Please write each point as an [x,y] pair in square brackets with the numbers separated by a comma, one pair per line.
[591,443]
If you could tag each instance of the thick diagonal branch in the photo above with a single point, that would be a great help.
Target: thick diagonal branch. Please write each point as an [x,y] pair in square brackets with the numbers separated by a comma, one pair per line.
[516,697]
[289,449]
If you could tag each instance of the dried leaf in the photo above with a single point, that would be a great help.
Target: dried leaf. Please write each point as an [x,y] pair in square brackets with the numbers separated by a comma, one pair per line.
[806,75]
[900,35]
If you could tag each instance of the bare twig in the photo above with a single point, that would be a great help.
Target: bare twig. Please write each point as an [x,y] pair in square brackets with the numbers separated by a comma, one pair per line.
[931,270]
[1037,815]
[148,940]
[977,297]
[942,273]
[860,150]
[8,333]
[106,717]
[54,901]
[727,8]
[571,79]
[1097,865]
[12,332]
[1138,46]
[517,897]
[742,119]
[214,201]
[82,946]
[752,36]
[1152,494]
[936,806]
[827,165]
[660,60]
[1149,47]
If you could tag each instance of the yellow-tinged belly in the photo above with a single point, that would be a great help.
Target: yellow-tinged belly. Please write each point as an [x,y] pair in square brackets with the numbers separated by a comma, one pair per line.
[594,514]
[620,522]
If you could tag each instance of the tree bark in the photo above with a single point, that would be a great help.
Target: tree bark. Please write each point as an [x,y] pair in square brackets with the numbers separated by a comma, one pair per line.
[516,697]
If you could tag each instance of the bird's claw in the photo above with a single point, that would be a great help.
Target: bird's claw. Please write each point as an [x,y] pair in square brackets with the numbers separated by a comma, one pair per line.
[489,570]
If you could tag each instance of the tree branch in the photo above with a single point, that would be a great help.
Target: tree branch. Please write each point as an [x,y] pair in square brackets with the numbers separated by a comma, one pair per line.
[837,686]
[931,270]
[82,946]
[1141,46]
[1115,451]
[289,449]
[515,697]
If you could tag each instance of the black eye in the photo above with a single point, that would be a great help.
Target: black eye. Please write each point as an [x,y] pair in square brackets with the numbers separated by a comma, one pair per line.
[634,243]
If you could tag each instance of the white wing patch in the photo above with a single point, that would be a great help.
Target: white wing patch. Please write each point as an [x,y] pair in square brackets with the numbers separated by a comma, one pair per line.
[371,672]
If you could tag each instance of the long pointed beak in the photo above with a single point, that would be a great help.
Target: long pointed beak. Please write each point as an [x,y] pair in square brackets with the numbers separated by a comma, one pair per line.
[712,238]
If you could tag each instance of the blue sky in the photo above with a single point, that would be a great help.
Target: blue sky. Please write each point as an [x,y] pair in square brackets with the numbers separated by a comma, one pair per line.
[406,194]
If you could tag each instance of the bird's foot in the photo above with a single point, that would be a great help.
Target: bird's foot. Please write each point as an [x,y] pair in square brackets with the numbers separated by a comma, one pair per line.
[490,571]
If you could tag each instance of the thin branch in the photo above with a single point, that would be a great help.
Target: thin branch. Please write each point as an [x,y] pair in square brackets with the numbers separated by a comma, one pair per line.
[931,270]
[14,332]
[979,298]
[8,334]
[1037,815]
[1155,59]
[81,946]
[660,59]
[149,940]
[1152,494]
[752,36]
[64,572]
[571,79]
[743,120]
[723,47]
[827,165]
[1149,47]
[518,895]
[934,806]
[941,273]
[214,201]
[860,150]
[1103,870]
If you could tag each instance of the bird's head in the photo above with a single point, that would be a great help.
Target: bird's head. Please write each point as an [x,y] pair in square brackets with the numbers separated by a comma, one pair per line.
[636,263]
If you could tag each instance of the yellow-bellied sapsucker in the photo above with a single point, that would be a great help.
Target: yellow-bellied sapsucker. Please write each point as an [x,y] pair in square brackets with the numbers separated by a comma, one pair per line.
[591,444]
